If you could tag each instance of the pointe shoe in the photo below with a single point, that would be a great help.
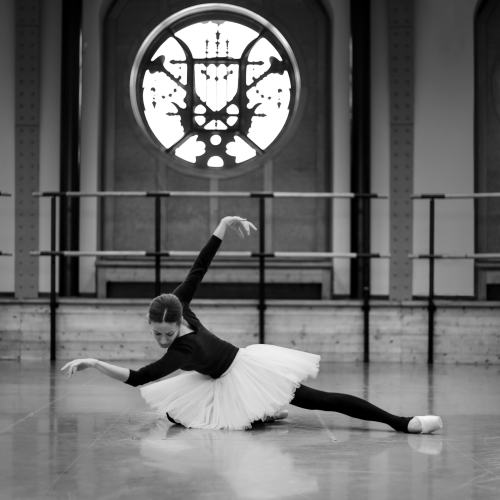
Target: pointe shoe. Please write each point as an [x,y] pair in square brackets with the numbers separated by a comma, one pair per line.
[425,424]
[279,415]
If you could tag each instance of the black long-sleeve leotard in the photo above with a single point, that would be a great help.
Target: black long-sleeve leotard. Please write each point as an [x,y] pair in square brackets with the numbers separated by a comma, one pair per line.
[200,350]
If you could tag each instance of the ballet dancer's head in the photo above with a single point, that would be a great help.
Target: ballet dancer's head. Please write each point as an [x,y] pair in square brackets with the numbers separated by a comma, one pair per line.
[164,316]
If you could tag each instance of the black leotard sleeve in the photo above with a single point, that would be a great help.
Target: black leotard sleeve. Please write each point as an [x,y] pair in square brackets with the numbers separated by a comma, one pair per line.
[176,357]
[187,288]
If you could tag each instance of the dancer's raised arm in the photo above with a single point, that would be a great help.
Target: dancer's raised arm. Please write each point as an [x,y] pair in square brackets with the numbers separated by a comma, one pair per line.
[186,290]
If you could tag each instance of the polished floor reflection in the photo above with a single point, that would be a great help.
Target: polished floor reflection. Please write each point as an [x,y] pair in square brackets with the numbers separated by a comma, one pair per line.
[92,438]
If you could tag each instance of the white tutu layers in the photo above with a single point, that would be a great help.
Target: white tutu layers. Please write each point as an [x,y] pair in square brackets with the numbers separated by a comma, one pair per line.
[260,381]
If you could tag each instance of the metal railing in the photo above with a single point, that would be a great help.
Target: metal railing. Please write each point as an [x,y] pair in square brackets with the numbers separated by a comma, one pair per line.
[158,253]
[431,256]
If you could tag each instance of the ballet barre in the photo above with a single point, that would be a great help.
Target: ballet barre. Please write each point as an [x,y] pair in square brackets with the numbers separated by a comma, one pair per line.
[452,256]
[454,196]
[193,253]
[207,194]
[158,253]
[432,256]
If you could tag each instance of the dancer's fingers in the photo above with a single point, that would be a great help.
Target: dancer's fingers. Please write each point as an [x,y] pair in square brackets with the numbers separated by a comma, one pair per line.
[71,367]
[237,225]
[68,370]
[248,226]
[241,226]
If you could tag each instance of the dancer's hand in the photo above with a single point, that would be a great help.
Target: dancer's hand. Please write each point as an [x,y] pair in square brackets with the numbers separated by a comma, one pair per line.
[239,225]
[78,365]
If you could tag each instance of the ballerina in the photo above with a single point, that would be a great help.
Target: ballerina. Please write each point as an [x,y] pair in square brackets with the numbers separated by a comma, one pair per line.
[223,386]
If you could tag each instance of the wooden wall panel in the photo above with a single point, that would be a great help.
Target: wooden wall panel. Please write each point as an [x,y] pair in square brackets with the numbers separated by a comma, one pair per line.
[468,333]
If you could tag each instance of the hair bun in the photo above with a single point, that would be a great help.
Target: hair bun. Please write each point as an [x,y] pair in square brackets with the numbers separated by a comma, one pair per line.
[165,308]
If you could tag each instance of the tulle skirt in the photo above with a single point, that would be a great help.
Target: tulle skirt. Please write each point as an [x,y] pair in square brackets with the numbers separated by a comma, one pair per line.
[260,381]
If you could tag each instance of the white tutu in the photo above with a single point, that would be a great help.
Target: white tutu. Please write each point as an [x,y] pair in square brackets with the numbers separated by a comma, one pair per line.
[260,381]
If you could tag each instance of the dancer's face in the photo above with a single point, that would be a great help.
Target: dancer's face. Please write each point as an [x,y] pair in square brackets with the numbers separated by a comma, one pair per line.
[165,333]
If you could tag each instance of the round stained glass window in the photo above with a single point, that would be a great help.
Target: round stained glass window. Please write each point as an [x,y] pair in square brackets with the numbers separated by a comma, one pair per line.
[214,86]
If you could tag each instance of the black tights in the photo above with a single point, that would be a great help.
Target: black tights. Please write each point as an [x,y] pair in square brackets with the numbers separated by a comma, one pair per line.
[313,399]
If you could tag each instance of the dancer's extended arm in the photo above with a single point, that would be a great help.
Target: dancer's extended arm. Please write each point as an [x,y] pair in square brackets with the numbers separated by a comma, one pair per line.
[187,288]
[113,371]
[171,361]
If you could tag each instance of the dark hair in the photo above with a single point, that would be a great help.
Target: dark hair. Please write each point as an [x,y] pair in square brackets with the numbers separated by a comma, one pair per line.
[166,307]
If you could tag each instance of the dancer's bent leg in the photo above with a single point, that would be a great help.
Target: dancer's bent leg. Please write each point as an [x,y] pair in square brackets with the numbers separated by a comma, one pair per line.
[313,399]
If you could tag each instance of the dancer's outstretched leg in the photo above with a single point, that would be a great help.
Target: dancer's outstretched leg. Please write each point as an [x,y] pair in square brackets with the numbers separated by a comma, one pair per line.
[313,399]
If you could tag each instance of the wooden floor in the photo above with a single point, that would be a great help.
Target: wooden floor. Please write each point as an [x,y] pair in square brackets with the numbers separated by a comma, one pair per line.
[92,438]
